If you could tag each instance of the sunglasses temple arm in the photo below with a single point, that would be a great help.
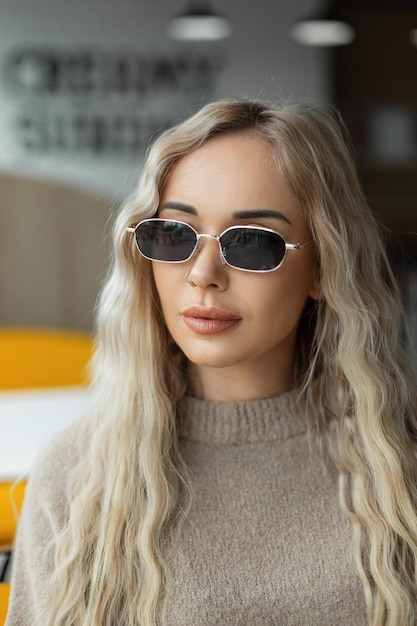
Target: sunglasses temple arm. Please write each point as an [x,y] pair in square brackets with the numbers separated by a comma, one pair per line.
[298,246]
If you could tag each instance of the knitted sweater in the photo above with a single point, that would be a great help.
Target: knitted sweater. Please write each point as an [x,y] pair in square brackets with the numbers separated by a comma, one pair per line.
[264,544]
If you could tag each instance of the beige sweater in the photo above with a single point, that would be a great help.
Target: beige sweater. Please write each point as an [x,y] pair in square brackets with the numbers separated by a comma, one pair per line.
[264,544]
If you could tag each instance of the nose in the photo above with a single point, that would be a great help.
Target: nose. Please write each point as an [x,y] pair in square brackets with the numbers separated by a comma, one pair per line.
[207,266]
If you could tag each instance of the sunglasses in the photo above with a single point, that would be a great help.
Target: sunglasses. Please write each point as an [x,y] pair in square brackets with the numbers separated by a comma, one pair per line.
[248,248]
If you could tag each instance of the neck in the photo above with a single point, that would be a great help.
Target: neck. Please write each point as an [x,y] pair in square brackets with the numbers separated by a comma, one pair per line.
[236,384]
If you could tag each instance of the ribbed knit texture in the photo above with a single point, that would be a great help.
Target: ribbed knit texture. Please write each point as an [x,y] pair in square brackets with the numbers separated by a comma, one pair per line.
[265,542]
[234,423]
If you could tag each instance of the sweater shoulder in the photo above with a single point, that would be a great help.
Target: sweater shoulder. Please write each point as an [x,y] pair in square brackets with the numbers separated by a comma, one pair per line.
[54,464]
[44,515]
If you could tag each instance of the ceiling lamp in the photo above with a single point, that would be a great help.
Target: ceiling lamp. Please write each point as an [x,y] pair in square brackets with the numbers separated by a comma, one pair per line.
[199,23]
[322,30]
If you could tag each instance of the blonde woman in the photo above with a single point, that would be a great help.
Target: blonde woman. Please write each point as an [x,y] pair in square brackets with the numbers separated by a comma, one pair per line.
[250,457]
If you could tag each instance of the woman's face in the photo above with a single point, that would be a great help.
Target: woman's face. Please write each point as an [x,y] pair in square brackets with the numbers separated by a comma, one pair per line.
[237,328]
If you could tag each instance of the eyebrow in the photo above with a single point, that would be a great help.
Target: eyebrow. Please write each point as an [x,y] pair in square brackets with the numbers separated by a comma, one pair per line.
[262,213]
[244,214]
[179,206]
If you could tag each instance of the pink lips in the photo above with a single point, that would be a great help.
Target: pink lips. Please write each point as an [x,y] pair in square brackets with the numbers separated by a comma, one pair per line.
[208,320]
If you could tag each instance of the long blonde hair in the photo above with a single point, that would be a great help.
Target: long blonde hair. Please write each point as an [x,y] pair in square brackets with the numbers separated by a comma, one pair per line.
[131,485]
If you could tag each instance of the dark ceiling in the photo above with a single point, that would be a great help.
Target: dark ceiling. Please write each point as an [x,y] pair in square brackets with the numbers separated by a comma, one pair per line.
[377,4]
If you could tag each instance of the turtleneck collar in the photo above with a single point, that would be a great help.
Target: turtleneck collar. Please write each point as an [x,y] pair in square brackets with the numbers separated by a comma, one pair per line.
[233,423]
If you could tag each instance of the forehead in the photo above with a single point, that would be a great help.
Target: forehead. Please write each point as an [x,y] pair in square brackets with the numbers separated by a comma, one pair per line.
[230,149]
[242,164]
[231,173]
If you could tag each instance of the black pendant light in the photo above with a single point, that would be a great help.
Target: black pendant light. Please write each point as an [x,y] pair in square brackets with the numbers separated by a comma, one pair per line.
[322,29]
[199,22]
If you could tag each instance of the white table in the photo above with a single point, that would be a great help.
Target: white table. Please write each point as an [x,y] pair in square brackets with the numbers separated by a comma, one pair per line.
[28,419]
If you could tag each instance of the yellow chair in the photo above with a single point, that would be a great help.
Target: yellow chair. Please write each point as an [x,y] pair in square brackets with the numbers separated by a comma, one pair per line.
[30,359]
[11,500]
[4,601]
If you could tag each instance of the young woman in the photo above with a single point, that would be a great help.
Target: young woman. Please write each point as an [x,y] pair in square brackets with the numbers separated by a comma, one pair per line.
[250,457]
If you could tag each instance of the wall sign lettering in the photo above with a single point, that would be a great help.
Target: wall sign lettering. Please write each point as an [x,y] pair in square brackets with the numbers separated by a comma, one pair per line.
[95,102]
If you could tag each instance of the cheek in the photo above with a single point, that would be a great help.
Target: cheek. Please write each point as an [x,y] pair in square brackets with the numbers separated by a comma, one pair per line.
[282,299]
[168,280]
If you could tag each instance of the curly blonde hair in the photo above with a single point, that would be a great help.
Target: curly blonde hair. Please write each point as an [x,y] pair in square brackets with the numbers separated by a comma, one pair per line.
[132,484]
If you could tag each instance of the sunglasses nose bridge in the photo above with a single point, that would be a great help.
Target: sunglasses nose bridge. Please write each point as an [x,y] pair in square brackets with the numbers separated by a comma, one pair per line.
[201,236]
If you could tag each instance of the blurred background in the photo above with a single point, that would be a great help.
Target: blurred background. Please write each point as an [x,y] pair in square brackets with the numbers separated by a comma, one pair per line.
[85,85]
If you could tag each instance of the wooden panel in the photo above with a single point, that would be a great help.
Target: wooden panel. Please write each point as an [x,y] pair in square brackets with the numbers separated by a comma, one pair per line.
[53,254]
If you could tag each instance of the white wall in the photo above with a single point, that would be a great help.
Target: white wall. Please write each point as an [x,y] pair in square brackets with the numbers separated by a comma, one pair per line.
[258,60]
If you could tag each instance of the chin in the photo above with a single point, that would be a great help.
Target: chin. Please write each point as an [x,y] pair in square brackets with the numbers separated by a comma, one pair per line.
[215,361]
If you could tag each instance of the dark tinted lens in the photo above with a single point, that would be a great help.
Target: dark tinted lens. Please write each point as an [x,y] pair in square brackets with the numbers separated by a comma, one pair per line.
[253,249]
[165,240]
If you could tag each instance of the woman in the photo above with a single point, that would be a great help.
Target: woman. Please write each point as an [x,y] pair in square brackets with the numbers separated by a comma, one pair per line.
[250,455]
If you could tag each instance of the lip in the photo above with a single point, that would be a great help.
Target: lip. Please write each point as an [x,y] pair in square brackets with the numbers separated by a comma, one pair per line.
[209,320]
